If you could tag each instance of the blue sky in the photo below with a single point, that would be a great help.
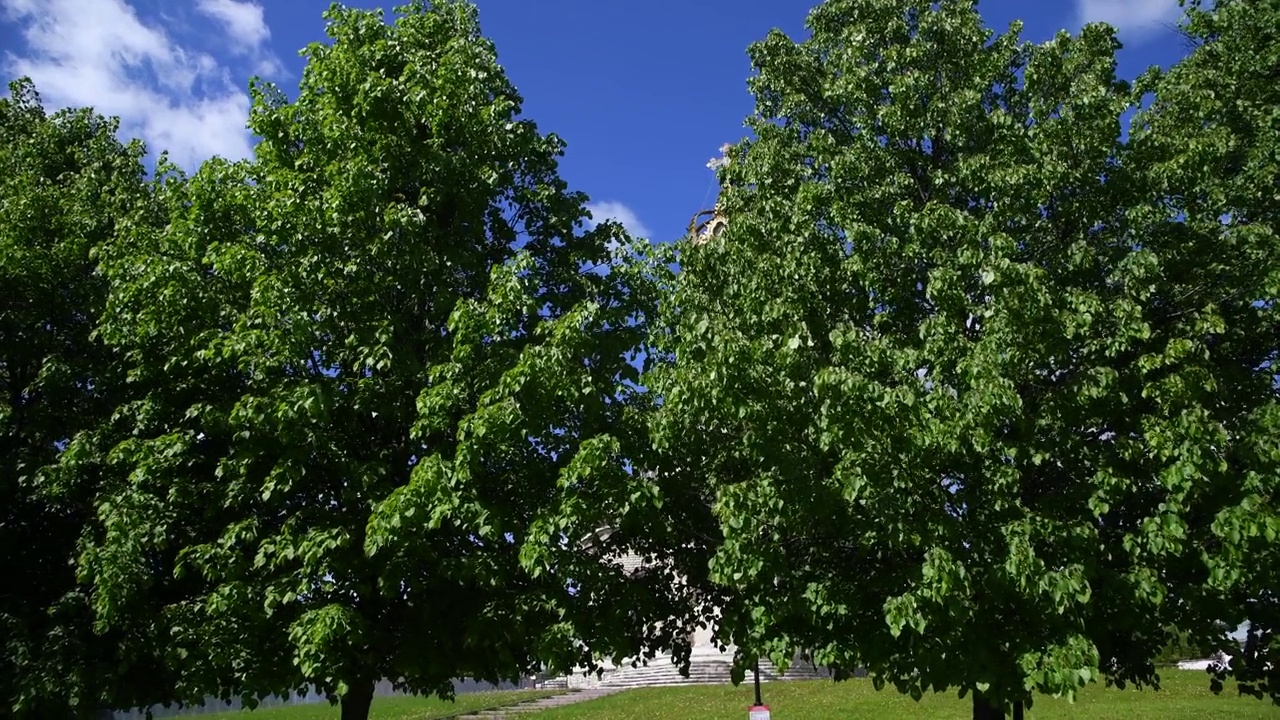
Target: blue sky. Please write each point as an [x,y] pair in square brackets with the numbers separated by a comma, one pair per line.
[644,93]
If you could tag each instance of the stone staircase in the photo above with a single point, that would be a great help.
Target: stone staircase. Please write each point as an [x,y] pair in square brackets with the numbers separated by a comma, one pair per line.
[533,706]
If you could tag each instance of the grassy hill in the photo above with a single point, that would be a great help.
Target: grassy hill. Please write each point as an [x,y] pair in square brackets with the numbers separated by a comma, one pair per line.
[1184,696]
[388,708]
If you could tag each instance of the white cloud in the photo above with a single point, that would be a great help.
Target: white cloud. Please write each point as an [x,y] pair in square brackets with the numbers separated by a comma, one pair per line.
[100,53]
[246,26]
[613,210]
[1130,16]
[244,20]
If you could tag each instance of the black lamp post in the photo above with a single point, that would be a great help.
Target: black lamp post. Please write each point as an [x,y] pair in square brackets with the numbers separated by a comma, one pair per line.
[759,701]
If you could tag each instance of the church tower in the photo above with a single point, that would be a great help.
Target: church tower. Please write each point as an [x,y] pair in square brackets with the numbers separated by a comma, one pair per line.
[708,224]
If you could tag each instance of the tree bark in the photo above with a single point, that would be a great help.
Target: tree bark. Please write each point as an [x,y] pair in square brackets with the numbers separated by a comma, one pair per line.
[983,709]
[355,704]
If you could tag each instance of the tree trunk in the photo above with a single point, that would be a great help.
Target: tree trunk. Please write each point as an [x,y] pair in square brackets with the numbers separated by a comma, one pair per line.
[355,704]
[983,709]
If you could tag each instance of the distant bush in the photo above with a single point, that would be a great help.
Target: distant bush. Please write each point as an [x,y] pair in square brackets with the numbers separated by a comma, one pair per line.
[1182,648]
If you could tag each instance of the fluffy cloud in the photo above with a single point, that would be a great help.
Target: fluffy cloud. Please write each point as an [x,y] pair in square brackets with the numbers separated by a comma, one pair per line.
[100,53]
[612,210]
[244,20]
[1130,16]
[246,27]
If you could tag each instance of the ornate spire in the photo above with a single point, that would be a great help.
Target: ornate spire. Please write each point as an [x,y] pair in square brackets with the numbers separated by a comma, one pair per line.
[714,223]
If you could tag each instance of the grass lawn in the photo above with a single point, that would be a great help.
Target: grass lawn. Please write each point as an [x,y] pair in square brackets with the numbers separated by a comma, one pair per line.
[1183,695]
[388,708]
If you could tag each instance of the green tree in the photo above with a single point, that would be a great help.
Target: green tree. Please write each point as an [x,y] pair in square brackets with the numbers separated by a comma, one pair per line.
[1207,151]
[553,460]
[391,301]
[970,406]
[67,187]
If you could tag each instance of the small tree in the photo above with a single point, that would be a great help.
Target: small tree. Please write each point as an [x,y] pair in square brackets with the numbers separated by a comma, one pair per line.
[969,409]
[392,301]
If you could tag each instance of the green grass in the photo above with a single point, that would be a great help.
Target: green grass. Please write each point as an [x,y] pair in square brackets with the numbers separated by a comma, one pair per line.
[1183,695]
[389,708]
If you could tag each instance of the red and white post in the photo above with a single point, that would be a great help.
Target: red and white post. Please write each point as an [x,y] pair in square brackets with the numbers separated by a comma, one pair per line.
[759,711]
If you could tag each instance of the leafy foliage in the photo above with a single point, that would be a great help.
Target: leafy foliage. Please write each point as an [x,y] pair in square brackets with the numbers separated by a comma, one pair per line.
[67,187]
[364,360]
[977,381]
[974,392]
[1207,146]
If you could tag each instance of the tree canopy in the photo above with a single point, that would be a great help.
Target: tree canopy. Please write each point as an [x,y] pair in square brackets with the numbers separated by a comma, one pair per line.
[391,308]
[68,187]
[1207,147]
[985,385]
[975,390]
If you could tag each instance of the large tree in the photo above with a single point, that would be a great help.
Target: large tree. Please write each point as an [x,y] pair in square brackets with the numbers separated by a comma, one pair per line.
[970,403]
[67,188]
[392,300]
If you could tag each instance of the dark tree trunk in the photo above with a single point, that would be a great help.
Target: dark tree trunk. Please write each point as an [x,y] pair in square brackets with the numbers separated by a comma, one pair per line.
[983,709]
[355,704]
